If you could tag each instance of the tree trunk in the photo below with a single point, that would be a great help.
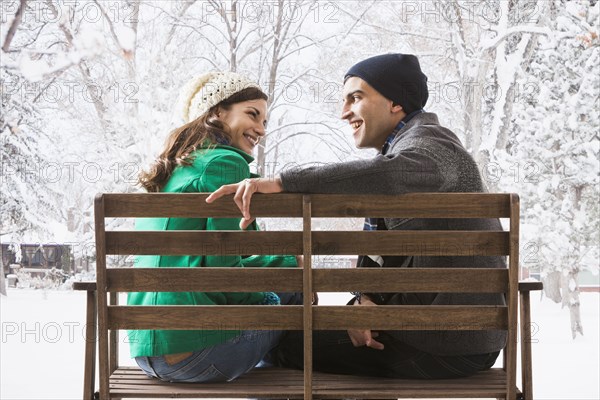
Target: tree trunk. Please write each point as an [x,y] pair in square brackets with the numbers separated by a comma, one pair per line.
[132,64]
[552,283]
[573,275]
[472,100]
[277,31]
[233,45]
[572,288]
[2,280]
[511,95]
[2,283]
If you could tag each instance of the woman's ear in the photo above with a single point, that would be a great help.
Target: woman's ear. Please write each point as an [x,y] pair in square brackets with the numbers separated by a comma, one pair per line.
[221,113]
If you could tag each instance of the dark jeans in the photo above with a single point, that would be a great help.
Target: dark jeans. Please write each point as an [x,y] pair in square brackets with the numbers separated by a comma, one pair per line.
[333,352]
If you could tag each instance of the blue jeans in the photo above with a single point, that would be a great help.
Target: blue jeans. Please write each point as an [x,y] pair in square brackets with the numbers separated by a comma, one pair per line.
[222,362]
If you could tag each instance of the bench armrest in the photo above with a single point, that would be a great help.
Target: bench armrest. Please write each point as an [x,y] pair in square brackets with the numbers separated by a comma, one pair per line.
[86,286]
[523,286]
[530,286]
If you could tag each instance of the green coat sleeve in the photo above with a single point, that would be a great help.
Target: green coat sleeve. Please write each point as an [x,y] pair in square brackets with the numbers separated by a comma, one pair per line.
[223,170]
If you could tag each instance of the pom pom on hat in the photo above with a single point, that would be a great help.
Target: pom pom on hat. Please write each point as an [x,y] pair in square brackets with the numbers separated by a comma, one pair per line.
[205,91]
[397,77]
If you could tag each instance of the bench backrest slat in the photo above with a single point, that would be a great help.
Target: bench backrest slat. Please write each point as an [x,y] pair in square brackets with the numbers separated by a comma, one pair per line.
[325,317]
[413,205]
[205,317]
[422,243]
[204,279]
[192,205]
[409,280]
[422,280]
[411,318]
[202,242]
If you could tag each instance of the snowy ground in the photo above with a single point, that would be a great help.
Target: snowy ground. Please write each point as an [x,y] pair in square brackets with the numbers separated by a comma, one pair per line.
[42,340]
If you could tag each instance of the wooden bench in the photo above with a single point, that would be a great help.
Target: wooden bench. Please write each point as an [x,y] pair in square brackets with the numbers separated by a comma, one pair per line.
[130,382]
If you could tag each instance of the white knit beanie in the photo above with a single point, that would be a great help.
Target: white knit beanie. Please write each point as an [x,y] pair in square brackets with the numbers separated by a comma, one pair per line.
[207,90]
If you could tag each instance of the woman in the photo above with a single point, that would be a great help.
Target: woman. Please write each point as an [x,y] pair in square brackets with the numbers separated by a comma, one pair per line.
[226,117]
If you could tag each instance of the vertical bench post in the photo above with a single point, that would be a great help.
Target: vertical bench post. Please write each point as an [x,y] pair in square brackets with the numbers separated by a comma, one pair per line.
[307,291]
[102,300]
[113,360]
[526,370]
[513,290]
[89,374]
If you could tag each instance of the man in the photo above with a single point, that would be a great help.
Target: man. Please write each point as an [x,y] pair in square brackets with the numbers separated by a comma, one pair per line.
[384,98]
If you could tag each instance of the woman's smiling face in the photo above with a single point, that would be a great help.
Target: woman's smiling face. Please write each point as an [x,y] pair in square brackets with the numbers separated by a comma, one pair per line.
[247,122]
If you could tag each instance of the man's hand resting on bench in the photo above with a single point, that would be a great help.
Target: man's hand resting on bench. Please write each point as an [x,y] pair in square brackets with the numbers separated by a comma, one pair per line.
[243,194]
[367,337]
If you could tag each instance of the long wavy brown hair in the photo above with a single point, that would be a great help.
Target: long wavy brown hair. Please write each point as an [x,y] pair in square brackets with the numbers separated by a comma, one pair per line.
[205,131]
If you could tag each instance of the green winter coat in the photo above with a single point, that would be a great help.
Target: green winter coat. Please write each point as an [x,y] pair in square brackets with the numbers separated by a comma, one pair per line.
[211,169]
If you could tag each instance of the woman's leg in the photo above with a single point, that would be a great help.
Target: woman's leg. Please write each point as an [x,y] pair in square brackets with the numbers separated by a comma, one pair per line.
[222,362]
[219,363]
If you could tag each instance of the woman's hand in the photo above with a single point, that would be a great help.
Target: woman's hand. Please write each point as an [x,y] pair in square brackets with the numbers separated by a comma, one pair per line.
[243,194]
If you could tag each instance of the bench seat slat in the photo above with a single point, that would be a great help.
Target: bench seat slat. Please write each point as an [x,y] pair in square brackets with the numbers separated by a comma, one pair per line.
[285,382]
[140,378]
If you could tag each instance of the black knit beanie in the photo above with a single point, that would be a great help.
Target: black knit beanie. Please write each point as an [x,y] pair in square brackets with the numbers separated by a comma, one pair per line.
[397,77]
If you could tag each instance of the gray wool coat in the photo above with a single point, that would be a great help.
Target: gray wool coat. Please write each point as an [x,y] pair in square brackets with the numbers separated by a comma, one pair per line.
[424,157]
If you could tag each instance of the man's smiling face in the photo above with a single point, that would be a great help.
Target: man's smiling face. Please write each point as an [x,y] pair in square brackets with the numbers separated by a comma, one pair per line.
[371,116]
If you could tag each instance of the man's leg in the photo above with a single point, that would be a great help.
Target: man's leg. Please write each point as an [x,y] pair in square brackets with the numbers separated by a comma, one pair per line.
[422,365]
[333,352]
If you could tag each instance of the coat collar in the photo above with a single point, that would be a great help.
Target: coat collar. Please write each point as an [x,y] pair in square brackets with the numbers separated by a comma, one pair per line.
[425,118]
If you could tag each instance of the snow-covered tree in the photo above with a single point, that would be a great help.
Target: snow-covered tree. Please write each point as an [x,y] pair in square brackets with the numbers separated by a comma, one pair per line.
[555,150]
[89,87]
